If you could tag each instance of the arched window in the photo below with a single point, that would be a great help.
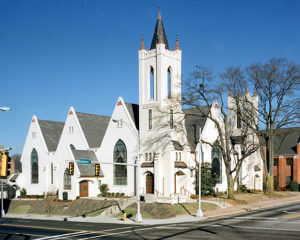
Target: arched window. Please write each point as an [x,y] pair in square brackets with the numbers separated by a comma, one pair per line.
[72,147]
[169,83]
[67,180]
[238,119]
[216,164]
[51,173]
[34,167]
[120,156]
[151,83]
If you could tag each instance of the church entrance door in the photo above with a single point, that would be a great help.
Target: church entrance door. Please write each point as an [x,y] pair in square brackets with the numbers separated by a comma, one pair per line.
[84,189]
[150,183]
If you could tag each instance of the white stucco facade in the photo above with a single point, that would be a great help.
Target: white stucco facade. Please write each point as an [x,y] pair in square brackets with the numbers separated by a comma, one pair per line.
[157,128]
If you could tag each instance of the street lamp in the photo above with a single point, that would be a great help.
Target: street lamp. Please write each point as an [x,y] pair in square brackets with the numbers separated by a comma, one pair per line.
[138,217]
[199,212]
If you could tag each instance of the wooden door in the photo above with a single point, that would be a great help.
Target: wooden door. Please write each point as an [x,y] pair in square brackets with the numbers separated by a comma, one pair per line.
[150,183]
[84,189]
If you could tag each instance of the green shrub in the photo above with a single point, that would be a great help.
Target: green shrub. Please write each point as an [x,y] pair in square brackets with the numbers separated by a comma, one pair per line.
[23,192]
[104,189]
[208,182]
[294,186]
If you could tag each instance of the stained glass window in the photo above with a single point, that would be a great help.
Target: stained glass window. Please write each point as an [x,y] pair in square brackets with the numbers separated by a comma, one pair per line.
[34,167]
[67,180]
[216,165]
[120,156]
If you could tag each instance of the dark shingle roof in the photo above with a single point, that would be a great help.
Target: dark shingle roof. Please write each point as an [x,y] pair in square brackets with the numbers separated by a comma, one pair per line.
[51,131]
[94,127]
[159,26]
[133,110]
[195,118]
[285,141]
[86,169]
[177,145]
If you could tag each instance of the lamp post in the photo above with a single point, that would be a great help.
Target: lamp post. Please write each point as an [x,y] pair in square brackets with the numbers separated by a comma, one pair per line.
[138,217]
[199,212]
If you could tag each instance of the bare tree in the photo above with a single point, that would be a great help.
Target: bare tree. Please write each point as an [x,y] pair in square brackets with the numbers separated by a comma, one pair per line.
[18,164]
[202,90]
[276,83]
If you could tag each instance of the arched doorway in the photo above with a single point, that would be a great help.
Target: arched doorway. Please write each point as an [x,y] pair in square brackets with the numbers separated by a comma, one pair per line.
[178,181]
[84,188]
[150,183]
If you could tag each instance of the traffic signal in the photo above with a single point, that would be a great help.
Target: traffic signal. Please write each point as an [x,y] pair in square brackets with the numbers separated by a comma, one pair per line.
[8,164]
[97,169]
[4,159]
[71,168]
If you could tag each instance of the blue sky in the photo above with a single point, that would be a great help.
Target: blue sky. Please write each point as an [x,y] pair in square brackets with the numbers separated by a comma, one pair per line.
[83,53]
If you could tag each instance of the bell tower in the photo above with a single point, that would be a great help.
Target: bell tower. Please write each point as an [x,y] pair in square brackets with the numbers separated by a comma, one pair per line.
[159,68]
[159,80]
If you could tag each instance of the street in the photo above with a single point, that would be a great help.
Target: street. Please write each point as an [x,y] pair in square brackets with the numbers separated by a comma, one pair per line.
[276,223]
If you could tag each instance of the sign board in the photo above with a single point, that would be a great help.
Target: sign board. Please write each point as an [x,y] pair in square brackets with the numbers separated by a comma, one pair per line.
[84,161]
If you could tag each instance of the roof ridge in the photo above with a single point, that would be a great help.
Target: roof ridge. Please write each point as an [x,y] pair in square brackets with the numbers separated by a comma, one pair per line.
[132,103]
[94,114]
[50,121]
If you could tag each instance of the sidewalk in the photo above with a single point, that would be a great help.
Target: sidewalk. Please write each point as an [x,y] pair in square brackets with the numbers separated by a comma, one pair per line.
[220,212]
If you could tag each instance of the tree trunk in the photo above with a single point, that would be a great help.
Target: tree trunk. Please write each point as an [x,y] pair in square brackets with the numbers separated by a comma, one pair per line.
[269,178]
[230,187]
[269,184]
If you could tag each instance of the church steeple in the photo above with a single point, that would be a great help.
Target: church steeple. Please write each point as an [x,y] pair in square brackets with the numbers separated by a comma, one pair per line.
[159,27]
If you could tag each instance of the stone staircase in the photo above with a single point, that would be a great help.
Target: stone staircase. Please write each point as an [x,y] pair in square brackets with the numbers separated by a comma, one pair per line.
[120,205]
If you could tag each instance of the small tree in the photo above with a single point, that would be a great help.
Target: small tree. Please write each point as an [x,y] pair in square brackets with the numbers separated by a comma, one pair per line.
[208,181]
[104,189]
[23,192]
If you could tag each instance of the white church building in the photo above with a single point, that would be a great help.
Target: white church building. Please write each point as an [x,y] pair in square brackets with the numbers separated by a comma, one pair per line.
[165,136]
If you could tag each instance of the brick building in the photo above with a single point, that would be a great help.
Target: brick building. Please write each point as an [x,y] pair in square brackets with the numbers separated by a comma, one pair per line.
[287,156]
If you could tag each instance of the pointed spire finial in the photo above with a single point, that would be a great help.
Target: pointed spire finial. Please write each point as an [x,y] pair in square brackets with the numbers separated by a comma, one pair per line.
[160,36]
[246,91]
[239,93]
[230,93]
[159,16]
[142,43]
[177,43]
[255,93]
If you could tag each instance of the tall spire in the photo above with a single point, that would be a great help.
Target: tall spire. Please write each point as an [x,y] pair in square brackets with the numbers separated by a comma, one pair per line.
[246,91]
[230,93]
[177,43]
[160,37]
[255,93]
[142,43]
[159,27]
[159,16]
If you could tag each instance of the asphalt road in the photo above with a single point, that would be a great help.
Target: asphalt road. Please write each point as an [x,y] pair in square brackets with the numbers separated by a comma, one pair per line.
[276,223]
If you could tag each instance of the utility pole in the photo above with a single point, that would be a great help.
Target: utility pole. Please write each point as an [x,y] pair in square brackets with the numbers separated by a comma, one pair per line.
[199,212]
[3,173]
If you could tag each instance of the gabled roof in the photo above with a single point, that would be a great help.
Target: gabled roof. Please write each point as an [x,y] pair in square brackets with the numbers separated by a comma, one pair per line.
[86,169]
[159,27]
[51,131]
[133,110]
[195,118]
[94,127]
[285,141]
